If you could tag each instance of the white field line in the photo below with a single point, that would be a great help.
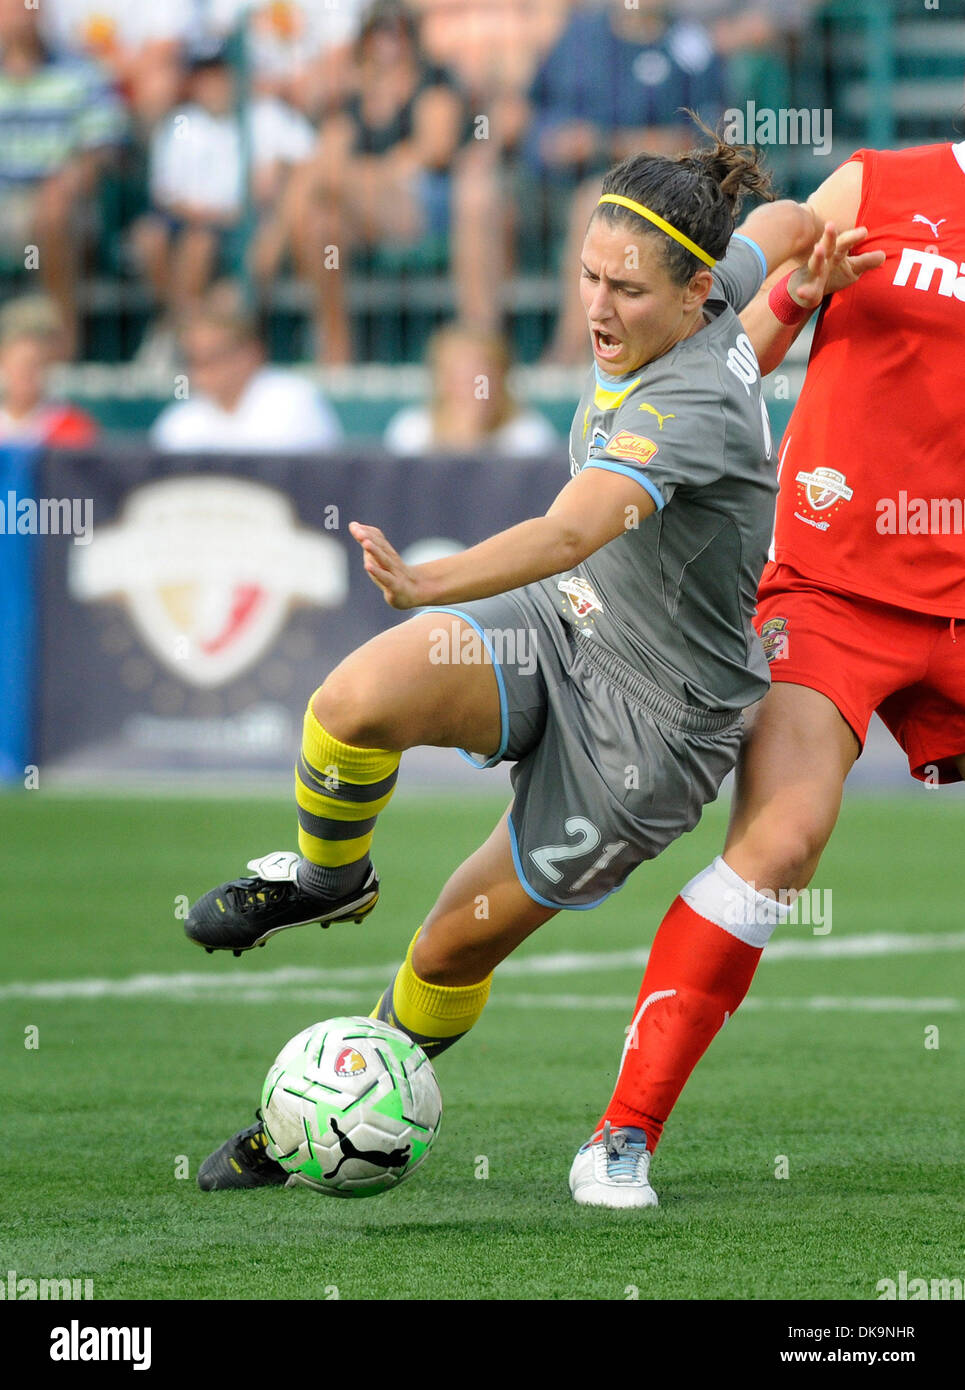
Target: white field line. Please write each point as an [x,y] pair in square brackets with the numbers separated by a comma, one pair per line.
[302,983]
[355,1001]
[858,1004]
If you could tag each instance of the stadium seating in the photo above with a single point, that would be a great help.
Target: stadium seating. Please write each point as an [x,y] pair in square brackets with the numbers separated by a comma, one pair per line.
[890,74]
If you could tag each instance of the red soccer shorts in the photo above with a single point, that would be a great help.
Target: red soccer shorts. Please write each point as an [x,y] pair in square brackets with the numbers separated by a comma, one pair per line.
[867,656]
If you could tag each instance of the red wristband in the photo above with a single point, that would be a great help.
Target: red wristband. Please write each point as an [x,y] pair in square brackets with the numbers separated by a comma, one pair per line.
[782,306]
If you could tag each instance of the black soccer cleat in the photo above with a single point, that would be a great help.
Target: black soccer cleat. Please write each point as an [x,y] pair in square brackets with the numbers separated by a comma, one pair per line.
[242,1161]
[244,913]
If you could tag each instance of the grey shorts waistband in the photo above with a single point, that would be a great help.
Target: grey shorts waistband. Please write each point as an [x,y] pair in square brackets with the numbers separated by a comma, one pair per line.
[665,708]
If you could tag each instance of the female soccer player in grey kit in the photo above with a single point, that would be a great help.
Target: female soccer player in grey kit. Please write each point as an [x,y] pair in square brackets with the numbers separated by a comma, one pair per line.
[637,589]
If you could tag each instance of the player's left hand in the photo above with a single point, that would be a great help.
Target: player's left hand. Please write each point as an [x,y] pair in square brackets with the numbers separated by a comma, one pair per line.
[385,567]
[846,268]
[831,267]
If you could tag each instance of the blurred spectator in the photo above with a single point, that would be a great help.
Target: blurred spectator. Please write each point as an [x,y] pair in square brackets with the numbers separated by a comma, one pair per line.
[237,403]
[615,83]
[30,343]
[299,50]
[755,40]
[386,173]
[282,142]
[739,26]
[494,47]
[197,226]
[140,42]
[471,406]
[58,122]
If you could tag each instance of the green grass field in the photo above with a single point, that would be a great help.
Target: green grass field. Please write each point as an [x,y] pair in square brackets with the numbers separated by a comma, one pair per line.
[161,1054]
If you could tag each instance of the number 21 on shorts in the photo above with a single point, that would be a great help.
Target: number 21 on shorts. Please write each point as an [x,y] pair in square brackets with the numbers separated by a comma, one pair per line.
[547,858]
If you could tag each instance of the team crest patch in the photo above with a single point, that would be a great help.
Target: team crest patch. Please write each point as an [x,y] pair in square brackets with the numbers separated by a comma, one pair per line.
[635,447]
[581,596]
[823,489]
[774,638]
[349,1062]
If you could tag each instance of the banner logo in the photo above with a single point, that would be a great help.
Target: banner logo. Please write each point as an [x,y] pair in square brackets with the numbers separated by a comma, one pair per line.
[209,569]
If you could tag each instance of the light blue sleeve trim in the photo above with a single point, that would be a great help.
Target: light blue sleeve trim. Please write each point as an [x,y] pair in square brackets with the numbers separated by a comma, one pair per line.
[739,236]
[645,483]
[537,897]
[500,685]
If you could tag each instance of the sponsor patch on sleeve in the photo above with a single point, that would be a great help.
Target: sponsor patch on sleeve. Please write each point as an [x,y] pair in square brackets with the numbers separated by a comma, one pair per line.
[775,639]
[635,447]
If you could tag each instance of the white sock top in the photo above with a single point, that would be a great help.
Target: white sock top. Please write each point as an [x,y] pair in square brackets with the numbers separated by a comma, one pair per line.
[721,896]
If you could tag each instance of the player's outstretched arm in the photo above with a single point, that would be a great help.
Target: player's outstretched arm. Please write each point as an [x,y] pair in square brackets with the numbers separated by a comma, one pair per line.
[784,231]
[787,231]
[836,201]
[594,508]
[831,266]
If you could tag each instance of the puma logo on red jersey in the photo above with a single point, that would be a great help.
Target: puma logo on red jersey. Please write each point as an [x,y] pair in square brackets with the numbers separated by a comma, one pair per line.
[920,217]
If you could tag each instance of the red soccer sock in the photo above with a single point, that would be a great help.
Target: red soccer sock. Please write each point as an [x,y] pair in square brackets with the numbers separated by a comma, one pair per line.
[696,976]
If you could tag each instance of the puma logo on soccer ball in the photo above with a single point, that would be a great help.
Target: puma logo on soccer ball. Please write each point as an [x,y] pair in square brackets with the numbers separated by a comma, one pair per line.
[395,1159]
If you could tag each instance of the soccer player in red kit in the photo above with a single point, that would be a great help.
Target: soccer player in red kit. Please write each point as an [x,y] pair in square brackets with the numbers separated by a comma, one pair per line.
[859,607]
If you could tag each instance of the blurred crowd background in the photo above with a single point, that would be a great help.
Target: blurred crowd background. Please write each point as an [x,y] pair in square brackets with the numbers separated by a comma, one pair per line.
[333,217]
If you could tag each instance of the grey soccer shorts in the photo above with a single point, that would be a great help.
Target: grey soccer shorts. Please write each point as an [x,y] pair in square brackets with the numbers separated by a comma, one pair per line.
[609,769]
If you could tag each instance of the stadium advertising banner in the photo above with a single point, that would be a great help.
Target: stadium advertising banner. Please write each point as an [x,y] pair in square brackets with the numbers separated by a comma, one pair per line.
[185,625]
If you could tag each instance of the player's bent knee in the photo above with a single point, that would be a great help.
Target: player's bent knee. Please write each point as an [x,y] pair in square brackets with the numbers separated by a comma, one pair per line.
[780,855]
[431,964]
[352,708]
[437,964]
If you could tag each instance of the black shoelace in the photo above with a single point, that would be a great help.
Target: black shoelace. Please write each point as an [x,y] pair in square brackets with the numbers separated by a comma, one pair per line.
[248,895]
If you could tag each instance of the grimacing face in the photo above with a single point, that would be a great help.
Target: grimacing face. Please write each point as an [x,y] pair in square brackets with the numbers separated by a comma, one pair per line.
[635,312]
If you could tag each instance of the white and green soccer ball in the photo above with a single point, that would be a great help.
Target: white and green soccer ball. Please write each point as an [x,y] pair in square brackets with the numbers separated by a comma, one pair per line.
[351,1107]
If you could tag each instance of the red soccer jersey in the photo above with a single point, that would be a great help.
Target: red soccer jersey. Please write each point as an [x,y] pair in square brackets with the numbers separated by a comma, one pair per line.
[872,465]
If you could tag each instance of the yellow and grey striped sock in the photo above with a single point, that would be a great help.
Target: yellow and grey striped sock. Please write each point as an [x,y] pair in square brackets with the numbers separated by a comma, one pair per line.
[434,1016]
[339,790]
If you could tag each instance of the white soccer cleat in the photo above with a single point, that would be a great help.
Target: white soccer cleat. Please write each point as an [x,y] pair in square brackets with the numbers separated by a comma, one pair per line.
[613,1171]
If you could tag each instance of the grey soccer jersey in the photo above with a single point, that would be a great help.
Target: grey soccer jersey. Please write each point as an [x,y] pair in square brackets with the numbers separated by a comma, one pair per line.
[674,596]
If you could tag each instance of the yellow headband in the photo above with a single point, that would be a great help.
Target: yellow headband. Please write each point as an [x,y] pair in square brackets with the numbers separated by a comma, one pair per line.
[658,221]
